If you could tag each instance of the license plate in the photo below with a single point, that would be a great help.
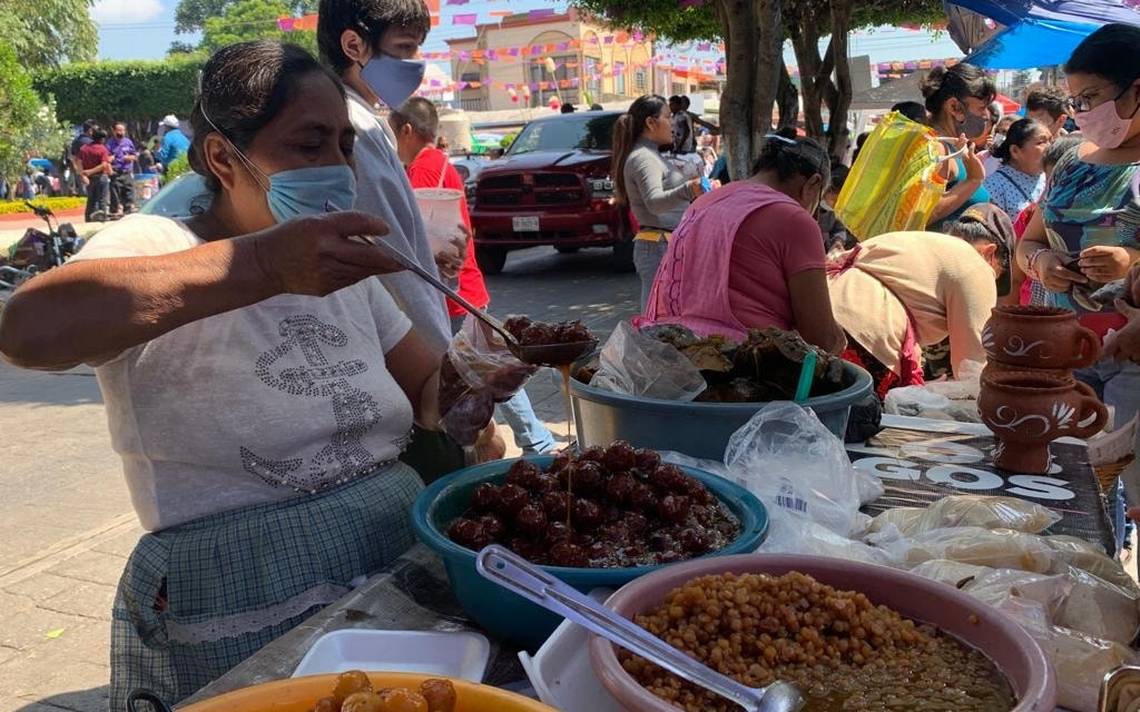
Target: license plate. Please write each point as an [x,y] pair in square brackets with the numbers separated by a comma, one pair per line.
[526,224]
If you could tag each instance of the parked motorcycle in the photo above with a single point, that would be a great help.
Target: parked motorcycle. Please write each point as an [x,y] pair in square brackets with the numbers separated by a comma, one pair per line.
[38,251]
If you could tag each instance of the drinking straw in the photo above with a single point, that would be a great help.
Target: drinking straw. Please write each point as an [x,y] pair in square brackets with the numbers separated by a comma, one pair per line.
[807,375]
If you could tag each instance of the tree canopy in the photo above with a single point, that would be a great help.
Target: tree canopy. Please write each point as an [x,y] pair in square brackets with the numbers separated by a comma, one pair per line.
[30,126]
[757,77]
[191,15]
[244,20]
[46,33]
[140,91]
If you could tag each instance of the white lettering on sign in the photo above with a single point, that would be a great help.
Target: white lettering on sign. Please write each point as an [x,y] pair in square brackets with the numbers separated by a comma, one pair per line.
[1040,487]
[889,468]
[969,478]
[966,478]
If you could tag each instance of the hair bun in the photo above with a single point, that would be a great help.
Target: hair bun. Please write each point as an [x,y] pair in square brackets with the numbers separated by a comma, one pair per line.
[932,83]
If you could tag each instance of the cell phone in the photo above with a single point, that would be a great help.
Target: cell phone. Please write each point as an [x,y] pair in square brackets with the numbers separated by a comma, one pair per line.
[706,184]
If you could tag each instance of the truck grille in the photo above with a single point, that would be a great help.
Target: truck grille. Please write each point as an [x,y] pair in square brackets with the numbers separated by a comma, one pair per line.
[545,189]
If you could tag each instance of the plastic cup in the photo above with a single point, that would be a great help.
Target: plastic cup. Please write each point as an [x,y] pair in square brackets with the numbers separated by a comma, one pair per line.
[440,208]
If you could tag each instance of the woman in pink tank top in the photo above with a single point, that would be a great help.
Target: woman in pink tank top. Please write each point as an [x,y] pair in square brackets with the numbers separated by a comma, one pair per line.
[750,255]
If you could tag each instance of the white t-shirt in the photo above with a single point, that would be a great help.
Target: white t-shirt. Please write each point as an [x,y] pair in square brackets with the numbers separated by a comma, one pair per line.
[383,189]
[254,405]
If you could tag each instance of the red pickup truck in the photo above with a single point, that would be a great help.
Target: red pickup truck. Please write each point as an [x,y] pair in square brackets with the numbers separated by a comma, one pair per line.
[551,187]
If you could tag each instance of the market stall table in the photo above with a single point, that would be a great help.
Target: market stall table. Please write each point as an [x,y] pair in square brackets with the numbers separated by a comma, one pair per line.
[919,461]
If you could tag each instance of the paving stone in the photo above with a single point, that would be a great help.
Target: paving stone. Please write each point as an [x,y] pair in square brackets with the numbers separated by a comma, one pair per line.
[92,566]
[26,628]
[121,545]
[40,587]
[52,677]
[91,600]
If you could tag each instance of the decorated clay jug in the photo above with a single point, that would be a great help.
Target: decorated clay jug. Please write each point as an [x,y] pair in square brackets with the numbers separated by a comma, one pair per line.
[1039,338]
[1026,411]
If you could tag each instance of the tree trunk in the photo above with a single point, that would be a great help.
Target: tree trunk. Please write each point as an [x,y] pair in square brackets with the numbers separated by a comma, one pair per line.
[736,19]
[787,99]
[840,101]
[769,23]
[805,42]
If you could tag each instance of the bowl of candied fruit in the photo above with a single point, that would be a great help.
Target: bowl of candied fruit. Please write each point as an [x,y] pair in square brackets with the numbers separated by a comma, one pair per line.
[597,518]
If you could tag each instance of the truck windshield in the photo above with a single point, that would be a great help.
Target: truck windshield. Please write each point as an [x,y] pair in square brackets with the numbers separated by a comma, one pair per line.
[567,133]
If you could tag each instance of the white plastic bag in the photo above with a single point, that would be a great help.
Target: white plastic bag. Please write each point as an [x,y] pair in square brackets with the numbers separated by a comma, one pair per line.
[955,399]
[996,586]
[1100,609]
[638,365]
[999,548]
[788,459]
[970,510]
[790,534]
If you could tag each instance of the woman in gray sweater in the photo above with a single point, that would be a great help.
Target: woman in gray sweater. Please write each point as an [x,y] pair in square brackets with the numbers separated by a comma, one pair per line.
[655,190]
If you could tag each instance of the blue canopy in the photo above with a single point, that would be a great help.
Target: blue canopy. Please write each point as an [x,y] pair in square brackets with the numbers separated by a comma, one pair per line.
[1031,43]
[1095,12]
[1042,33]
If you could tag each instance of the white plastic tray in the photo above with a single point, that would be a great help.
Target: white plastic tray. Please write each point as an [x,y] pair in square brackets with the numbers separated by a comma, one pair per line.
[462,655]
[560,670]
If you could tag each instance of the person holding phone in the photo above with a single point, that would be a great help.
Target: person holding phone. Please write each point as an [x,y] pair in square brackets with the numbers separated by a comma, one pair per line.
[1087,232]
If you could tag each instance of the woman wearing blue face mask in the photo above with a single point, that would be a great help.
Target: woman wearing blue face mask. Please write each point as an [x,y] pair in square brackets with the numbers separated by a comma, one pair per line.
[259,384]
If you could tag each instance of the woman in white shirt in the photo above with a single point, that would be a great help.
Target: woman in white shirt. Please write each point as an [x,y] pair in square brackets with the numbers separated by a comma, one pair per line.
[1020,180]
[259,384]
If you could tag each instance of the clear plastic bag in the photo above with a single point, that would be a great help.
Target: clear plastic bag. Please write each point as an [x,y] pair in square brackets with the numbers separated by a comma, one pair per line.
[788,459]
[477,372]
[789,534]
[997,585]
[1100,609]
[999,548]
[1080,554]
[638,365]
[970,510]
[1081,662]
[951,573]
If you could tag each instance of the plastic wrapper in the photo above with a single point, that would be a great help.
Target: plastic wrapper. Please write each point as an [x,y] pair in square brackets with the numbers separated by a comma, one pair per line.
[999,549]
[789,534]
[477,372]
[951,573]
[997,585]
[788,459]
[1081,662]
[970,510]
[1100,609]
[638,365]
[1080,554]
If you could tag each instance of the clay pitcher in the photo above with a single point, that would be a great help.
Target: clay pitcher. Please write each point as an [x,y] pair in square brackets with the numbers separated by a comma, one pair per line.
[1039,338]
[1026,411]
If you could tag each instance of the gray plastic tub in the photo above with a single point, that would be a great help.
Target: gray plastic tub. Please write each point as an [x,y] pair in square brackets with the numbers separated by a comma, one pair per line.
[695,429]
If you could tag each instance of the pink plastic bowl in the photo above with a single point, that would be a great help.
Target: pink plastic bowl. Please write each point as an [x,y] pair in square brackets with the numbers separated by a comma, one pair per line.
[1003,641]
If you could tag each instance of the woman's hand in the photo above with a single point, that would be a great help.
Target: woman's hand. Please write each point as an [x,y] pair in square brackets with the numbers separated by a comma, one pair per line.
[696,188]
[490,445]
[1054,275]
[975,168]
[313,255]
[1105,263]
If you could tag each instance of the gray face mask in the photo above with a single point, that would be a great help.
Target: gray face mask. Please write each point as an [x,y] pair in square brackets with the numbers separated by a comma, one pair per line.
[973,127]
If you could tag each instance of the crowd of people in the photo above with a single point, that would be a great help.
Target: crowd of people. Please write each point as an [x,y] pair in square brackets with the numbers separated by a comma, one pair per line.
[105,164]
[273,385]
[1052,220]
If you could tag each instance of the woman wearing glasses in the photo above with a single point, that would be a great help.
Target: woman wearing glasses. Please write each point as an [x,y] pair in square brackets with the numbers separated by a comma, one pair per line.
[749,255]
[1087,232]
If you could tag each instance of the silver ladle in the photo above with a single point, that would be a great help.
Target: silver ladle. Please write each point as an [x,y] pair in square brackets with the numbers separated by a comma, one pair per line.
[519,576]
[539,355]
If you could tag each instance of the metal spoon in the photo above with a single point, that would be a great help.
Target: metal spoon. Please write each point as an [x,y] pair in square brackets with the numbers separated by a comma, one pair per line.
[518,575]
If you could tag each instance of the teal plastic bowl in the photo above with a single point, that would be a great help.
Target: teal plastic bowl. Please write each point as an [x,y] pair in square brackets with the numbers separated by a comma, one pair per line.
[511,618]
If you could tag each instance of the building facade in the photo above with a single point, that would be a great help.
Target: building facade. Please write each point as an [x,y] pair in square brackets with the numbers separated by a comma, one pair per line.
[526,60]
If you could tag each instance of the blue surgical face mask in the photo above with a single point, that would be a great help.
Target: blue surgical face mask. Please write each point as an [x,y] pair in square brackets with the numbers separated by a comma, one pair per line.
[300,191]
[394,80]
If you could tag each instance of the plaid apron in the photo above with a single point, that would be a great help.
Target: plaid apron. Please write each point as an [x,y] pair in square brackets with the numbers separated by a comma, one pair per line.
[198,598]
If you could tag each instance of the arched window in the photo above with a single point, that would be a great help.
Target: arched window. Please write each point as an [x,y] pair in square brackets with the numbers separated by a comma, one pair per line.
[563,82]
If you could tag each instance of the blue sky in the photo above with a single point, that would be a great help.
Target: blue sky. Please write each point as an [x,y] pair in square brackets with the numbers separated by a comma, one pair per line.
[144,29]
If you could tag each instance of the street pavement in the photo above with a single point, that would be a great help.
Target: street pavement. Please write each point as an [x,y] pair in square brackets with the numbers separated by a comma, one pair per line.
[66,521]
